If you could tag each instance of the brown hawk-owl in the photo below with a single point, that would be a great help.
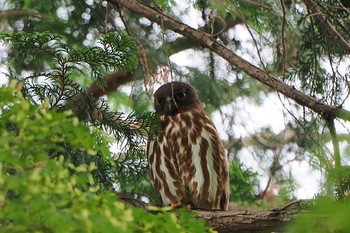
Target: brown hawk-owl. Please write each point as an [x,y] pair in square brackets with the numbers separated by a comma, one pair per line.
[187,161]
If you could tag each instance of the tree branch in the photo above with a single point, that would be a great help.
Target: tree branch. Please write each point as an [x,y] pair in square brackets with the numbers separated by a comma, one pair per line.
[239,220]
[208,41]
[113,81]
[248,220]
[21,13]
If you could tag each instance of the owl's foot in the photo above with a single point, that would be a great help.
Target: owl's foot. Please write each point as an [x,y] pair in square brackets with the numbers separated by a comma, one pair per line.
[176,205]
[179,205]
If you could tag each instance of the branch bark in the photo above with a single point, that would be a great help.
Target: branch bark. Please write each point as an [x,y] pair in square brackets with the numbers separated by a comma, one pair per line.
[206,40]
[239,220]
[248,220]
[113,81]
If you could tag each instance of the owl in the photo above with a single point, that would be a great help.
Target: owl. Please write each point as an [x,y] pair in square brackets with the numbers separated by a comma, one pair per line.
[187,160]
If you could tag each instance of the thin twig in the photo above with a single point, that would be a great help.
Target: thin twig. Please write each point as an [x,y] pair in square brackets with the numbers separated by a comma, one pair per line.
[251,35]
[163,39]
[282,31]
[142,53]
[334,80]
[106,18]
[313,81]
[255,3]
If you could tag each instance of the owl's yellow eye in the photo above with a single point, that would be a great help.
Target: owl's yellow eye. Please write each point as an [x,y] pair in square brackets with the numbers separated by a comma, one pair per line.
[180,95]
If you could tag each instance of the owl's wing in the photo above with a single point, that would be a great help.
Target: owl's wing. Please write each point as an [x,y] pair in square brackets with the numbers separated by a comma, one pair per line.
[203,165]
[164,173]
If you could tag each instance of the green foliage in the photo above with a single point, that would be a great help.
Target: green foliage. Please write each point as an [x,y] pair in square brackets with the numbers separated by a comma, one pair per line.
[326,216]
[114,51]
[25,125]
[61,91]
[243,183]
[42,194]
[285,193]
[338,182]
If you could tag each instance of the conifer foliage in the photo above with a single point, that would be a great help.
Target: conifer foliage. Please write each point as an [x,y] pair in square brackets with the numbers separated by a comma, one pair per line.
[57,85]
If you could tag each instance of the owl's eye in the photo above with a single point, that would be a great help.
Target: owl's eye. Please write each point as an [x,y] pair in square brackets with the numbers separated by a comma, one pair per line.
[160,100]
[180,95]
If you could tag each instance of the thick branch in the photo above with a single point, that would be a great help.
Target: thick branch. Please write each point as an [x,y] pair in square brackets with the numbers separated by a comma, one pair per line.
[247,220]
[327,26]
[113,81]
[21,13]
[239,220]
[208,41]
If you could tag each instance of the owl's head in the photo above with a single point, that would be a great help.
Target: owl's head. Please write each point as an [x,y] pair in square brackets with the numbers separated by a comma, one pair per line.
[175,97]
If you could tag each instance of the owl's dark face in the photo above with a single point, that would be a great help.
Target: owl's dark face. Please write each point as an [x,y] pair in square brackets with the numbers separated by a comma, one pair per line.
[175,97]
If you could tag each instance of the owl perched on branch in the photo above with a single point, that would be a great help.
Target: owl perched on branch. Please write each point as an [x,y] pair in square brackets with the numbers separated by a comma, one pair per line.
[187,161]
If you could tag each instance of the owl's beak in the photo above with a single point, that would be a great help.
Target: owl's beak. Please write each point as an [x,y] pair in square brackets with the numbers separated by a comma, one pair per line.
[170,105]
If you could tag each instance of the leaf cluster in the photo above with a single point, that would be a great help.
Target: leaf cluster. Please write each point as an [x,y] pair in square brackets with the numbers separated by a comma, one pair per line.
[243,183]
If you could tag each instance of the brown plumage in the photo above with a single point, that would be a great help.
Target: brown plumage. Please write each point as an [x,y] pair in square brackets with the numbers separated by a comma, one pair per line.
[187,161]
